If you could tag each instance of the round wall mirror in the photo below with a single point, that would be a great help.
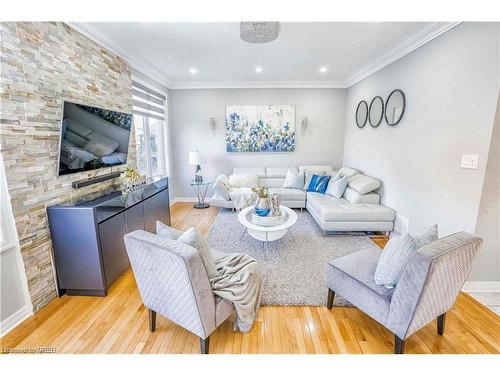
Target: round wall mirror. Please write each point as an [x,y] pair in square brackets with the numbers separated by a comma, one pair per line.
[395,107]
[361,114]
[376,112]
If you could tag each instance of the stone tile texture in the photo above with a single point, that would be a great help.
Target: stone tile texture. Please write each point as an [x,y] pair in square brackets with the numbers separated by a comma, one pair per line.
[42,64]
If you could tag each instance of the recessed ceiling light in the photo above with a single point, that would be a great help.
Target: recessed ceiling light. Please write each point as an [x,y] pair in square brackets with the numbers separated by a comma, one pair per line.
[323,69]
[193,70]
[258,69]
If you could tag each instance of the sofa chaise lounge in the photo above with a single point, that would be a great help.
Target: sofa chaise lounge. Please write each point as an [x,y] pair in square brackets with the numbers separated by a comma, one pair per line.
[359,209]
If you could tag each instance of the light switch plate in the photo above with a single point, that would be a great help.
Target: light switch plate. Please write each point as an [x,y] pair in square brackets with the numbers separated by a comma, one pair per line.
[469,161]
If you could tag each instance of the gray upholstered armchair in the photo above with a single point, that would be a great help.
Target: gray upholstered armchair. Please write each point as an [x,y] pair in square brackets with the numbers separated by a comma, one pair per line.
[426,291]
[173,282]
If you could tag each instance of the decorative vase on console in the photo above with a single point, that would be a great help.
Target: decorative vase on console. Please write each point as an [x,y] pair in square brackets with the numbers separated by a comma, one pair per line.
[263,203]
[131,180]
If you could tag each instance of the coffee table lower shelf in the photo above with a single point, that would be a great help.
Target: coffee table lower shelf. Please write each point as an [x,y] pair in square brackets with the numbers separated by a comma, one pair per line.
[267,234]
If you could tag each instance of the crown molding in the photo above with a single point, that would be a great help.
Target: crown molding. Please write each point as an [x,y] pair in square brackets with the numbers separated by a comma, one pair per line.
[137,64]
[400,49]
[189,85]
[141,67]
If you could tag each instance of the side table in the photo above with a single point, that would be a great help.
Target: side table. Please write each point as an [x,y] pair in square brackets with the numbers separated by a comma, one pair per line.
[200,188]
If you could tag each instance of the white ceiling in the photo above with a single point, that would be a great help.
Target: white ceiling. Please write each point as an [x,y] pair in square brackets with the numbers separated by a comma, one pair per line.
[167,51]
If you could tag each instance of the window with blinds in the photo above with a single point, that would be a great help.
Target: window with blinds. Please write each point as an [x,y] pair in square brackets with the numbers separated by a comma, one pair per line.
[149,109]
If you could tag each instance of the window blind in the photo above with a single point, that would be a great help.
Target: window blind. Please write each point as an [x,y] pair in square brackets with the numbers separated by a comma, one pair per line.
[147,102]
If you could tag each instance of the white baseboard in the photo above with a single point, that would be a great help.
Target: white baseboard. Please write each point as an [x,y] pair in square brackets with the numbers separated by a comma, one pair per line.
[14,320]
[481,286]
[186,199]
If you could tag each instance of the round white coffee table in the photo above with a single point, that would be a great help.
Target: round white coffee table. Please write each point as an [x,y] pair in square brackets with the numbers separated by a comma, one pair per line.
[266,234]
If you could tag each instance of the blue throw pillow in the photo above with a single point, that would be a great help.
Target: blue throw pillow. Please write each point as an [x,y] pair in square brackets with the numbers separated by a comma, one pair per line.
[318,184]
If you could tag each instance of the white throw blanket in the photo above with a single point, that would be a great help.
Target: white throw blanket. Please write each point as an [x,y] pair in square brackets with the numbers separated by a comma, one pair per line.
[239,282]
[242,197]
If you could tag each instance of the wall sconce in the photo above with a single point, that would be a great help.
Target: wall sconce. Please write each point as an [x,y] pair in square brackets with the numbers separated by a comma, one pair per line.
[304,122]
[304,126]
[211,120]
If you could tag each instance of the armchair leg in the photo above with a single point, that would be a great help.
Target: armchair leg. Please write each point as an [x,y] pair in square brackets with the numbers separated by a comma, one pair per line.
[204,345]
[152,320]
[441,320]
[331,296]
[399,345]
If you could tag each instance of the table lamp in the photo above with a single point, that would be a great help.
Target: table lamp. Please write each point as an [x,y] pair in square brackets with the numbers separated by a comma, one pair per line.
[197,158]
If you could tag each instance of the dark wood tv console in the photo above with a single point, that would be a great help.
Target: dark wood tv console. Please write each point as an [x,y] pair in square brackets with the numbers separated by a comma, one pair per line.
[87,238]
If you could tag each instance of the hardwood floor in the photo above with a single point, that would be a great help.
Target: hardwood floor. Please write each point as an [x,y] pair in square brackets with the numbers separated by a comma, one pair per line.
[118,323]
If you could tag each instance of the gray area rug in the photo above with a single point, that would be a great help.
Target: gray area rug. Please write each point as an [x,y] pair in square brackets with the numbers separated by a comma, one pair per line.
[293,272]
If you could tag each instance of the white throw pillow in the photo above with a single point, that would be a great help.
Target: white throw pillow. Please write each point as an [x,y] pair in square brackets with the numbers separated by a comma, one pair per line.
[395,256]
[336,186]
[426,236]
[192,238]
[164,230]
[294,180]
[222,187]
[243,180]
[364,184]
[398,252]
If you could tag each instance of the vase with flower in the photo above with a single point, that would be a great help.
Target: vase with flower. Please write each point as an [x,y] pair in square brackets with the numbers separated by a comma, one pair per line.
[262,204]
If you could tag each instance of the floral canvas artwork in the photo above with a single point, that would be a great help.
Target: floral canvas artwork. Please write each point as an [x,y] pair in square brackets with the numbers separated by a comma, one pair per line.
[260,128]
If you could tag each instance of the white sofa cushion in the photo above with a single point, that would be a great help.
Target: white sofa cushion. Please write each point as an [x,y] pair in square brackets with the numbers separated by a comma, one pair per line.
[289,194]
[294,179]
[364,184]
[271,182]
[337,186]
[349,172]
[354,197]
[339,209]
[243,180]
[222,187]
[218,201]
[278,172]
[326,169]
[255,171]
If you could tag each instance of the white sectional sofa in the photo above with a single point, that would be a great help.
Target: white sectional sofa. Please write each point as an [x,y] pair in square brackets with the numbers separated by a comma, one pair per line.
[359,209]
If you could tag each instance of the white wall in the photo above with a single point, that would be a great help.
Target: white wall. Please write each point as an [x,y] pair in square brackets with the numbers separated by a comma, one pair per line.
[451,86]
[189,112]
[487,267]
[15,302]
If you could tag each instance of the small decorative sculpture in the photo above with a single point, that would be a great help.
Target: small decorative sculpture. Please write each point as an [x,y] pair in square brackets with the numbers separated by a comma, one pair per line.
[132,180]
[275,204]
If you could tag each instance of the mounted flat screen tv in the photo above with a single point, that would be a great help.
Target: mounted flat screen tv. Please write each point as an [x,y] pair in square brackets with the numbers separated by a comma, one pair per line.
[92,138]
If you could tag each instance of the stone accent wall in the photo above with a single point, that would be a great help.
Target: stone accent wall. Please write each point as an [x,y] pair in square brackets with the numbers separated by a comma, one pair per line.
[42,64]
